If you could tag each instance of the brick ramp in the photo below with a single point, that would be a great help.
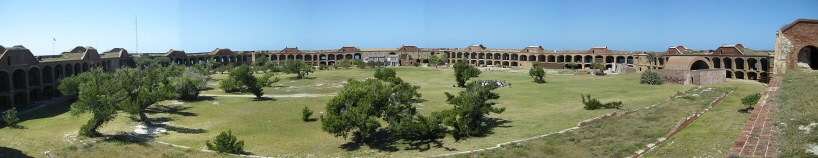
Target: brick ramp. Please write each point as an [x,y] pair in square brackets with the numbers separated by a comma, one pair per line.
[757,137]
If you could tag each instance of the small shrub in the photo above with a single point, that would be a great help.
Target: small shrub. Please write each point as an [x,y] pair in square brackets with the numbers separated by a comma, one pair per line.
[593,104]
[226,142]
[751,99]
[231,85]
[10,117]
[651,77]
[305,114]
[416,64]
[323,67]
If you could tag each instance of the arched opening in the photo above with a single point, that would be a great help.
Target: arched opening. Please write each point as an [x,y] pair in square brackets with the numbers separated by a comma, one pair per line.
[282,57]
[77,69]
[523,58]
[552,59]
[739,63]
[588,59]
[752,76]
[541,58]
[331,57]
[357,56]
[532,58]
[322,57]
[699,65]
[513,63]
[5,103]
[609,59]
[739,75]
[273,57]
[752,64]
[505,57]
[716,63]
[808,57]
[560,59]
[764,64]
[729,74]
[481,63]
[48,75]
[34,77]
[620,59]
[577,59]
[568,58]
[514,56]
[85,67]
[34,96]
[728,63]
[21,99]
[497,57]
[299,57]
[629,60]
[69,70]
[308,58]
[349,56]
[339,57]
[4,82]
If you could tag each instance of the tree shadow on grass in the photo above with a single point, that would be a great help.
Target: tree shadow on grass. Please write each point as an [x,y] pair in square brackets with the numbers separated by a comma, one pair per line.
[181,129]
[305,78]
[11,152]
[124,139]
[424,145]
[381,141]
[46,112]
[265,99]
[201,98]
[170,109]
[490,125]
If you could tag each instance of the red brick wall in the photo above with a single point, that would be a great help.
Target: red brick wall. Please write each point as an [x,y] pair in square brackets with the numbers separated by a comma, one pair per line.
[801,35]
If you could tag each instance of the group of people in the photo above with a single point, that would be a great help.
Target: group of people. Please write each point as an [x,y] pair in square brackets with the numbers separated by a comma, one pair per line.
[496,83]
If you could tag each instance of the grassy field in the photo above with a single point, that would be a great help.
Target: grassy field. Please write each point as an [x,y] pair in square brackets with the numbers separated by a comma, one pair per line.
[273,128]
[713,134]
[797,114]
[619,136]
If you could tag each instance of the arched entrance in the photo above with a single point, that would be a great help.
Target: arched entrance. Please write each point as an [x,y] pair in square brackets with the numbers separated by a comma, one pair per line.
[699,64]
[808,57]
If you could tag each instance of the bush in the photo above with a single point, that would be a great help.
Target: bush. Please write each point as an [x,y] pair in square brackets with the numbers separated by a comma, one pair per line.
[416,64]
[231,85]
[385,74]
[10,117]
[189,84]
[593,104]
[226,142]
[751,99]
[537,73]
[268,79]
[651,77]
[305,114]
[323,67]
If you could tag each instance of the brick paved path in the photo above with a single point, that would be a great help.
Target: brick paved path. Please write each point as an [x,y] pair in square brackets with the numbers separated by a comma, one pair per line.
[757,137]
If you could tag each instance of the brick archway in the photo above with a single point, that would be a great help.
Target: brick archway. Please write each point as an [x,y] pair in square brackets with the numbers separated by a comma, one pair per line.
[808,57]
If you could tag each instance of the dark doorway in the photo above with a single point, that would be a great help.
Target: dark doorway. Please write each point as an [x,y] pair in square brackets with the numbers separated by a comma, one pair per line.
[809,56]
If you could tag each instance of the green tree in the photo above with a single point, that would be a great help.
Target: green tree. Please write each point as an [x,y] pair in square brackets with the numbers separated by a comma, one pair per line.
[10,117]
[434,60]
[359,63]
[751,100]
[471,106]
[571,65]
[151,61]
[272,67]
[223,68]
[385,74]
[420,127]
[344,63]
[268,79]
[651,77]
[537,73]
[145,87]
[298,67]
[244,75]
[305,114]
[599,67]
[226,142]
[261,60]
[99,95]
[359,105]
[189,84]
[464,71]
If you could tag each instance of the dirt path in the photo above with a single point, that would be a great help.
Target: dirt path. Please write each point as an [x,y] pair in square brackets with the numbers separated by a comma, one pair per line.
[302,95]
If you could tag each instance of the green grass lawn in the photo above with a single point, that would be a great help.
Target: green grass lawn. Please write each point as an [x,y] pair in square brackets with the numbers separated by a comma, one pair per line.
[619,136]
[797,114]
[273,127]
[713,134]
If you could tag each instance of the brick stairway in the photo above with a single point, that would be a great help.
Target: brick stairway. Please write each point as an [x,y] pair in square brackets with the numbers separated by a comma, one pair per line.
[757,137]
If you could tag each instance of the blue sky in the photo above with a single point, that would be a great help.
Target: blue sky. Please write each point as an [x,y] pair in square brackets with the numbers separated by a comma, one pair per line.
[649,25]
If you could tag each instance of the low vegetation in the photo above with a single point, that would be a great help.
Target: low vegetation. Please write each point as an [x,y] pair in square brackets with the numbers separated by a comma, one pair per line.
[593,104]
[226,142]
[651,77]
[796,115]
[10,117]
[749,101]
[305,114]
[619,136]
[298,67]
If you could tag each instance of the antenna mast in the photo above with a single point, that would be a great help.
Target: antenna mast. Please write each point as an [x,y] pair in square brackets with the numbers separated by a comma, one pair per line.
[136,32]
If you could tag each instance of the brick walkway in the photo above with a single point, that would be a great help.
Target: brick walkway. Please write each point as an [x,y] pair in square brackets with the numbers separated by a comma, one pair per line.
[757,137]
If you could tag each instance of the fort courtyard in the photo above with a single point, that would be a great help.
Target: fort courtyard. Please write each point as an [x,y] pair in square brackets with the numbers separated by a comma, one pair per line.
[405,79]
